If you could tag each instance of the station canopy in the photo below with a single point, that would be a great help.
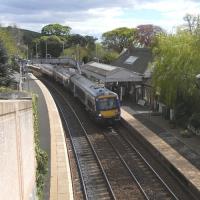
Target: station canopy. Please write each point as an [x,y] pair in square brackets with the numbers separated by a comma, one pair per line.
[110,73]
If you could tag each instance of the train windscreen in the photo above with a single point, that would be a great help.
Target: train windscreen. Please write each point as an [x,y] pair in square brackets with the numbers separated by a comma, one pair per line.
[107,103]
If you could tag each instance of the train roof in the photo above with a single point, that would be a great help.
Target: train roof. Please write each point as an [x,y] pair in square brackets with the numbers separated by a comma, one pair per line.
[65,71]
[90,87]
[47,66]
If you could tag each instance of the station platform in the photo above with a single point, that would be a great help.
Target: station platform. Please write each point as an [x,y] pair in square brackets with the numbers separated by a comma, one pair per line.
[181,156]
[60,176]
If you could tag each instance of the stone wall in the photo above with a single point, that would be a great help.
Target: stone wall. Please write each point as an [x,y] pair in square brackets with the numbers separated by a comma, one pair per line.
[17,155]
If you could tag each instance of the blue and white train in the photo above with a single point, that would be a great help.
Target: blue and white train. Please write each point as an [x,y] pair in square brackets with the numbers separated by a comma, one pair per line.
[100,102]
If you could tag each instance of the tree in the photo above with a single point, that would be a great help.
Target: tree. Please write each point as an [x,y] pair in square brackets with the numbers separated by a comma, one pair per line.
[119,38]
[84,41]
[90,41]
[145,34]
[55,29]
[5,70]
[52,45]
[192,23]
[9,42]
[104,55]
[75,39]
[176,66]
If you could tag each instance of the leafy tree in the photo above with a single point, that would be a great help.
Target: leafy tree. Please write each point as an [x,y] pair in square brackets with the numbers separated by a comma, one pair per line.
[192,23]
[52,44]
[78,53]
[76,39]
[103,55]
[119,38]
[84,41]
[145,34]
[9,42]
[176,65]
[55,29]
[90,41]
[109,57]
[5,70]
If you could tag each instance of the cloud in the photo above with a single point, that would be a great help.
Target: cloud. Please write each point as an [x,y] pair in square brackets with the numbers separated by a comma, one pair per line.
[95,16]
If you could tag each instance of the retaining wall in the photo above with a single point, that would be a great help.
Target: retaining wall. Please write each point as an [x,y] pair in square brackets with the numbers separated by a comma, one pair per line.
[17,154]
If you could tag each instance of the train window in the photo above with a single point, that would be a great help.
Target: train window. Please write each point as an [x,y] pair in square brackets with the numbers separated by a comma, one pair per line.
[107,103]
[90,105]
[80,93]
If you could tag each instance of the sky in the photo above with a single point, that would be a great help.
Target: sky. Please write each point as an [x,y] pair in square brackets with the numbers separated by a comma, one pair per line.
[94,17]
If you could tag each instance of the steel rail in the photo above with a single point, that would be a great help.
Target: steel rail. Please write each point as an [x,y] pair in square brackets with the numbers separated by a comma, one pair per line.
[129,170]
[86,135]
[74,148]
[150,167]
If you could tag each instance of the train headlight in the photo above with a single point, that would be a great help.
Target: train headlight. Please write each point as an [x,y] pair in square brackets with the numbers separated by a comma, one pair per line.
[100,115]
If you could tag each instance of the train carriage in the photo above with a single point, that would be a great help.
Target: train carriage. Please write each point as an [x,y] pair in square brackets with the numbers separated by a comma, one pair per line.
[47,69]
[101,102]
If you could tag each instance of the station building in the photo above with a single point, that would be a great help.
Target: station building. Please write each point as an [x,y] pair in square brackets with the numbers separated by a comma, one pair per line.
[129,75]
[138,60]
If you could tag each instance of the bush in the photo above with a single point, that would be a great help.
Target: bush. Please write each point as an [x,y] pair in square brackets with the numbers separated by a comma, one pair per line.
[186,134]
[41,155]
[194,121]
[182,114]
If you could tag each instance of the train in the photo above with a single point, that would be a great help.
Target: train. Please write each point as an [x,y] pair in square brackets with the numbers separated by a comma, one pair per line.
[100,102]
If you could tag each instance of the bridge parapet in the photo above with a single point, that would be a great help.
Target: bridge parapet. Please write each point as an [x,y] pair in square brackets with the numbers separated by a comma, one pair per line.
[69,61]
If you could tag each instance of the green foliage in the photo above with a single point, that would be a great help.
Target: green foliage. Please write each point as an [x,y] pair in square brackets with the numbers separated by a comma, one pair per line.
[56,29]
[8,41]
[105,55]
[195,120]
[5,69]
[41,155]
[176,66]
[78,53]
[109,57]
[5,89]
[53,44]
[119,38]
[192,24]
[83,41]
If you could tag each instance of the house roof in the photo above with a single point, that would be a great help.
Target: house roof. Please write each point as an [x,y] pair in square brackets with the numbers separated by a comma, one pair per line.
[109,73]
[135,59]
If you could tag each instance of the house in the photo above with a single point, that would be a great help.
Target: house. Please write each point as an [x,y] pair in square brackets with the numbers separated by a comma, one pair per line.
[137,60]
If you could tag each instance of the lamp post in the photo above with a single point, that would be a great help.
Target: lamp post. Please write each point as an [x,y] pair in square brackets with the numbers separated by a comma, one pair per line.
[96,52]
[46,49]
[36,50]
[20,75]
[63,47]
[27,51]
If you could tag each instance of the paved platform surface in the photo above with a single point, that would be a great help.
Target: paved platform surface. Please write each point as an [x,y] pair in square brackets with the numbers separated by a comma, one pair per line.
[187,147]
[60,176]
[184,157]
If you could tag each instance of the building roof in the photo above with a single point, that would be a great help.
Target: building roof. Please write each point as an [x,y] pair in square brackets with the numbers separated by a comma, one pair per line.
[109,73]
[135,59]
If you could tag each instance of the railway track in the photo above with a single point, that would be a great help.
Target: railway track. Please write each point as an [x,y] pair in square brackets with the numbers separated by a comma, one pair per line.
[149,182]
[110,167]
[94,181]
[97,177]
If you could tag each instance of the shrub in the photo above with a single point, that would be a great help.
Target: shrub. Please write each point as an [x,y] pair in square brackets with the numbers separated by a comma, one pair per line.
[194,121]
[41,155]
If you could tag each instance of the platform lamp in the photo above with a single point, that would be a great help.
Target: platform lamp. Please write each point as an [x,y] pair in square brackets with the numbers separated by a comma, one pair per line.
[198,80]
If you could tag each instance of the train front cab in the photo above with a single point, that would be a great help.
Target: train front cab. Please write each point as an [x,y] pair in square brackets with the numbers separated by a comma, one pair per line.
[108,108]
